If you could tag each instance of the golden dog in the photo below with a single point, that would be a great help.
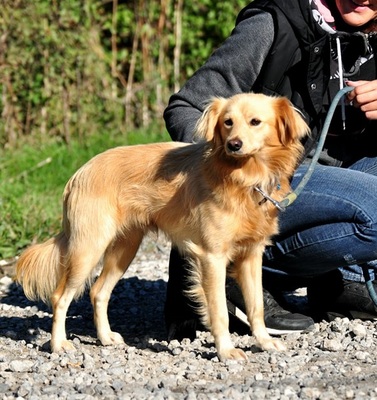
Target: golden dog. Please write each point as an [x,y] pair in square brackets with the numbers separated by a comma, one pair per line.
[202,195]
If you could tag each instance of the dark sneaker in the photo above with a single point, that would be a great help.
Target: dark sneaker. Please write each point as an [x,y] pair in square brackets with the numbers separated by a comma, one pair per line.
[334,296]
[182,321]
[184,329]
[278,321]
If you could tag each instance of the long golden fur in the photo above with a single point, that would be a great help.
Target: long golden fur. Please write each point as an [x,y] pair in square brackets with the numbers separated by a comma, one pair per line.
[201,195]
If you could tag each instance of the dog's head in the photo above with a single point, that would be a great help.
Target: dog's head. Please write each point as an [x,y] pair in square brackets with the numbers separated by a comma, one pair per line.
[244,124]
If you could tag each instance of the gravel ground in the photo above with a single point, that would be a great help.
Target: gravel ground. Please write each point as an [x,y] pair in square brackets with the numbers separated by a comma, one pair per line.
[335,361]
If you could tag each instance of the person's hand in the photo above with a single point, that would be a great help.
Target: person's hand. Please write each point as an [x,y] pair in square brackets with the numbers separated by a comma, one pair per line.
[364,96]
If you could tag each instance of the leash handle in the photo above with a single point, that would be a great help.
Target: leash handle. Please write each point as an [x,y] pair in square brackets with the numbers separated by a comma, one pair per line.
[291,197]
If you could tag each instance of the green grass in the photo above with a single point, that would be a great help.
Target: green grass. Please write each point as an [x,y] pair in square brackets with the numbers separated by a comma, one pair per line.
[32,179]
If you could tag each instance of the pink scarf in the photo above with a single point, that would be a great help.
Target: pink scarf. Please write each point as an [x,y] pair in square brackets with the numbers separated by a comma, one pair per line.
[324,10]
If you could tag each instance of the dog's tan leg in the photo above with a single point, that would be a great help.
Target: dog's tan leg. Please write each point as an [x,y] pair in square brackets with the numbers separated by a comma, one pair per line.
[79,267]
[61,300]
[213,281]
[117,259]
[249,277]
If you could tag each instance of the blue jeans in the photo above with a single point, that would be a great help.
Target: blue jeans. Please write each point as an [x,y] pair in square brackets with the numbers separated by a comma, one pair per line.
[332,224]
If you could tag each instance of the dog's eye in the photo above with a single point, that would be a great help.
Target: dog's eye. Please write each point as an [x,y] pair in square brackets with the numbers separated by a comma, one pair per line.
[255,121]
[228,122]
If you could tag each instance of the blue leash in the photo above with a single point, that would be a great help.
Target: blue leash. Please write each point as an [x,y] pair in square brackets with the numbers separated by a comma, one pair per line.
[369,284]
[291,197]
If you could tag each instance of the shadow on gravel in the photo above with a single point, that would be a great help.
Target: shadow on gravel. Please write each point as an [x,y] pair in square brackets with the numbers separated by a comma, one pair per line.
[136,311]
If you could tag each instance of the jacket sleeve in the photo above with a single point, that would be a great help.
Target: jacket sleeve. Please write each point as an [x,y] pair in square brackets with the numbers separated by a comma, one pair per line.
[231,69]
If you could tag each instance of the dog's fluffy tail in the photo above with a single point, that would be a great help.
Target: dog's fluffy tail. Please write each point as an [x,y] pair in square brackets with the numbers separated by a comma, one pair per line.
[40,268]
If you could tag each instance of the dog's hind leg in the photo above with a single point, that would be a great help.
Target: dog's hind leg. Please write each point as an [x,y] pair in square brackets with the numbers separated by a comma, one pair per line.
[80,264]
[117,258]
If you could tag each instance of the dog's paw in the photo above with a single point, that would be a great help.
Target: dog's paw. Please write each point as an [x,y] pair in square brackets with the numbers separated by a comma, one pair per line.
[62,346]
[272,344]
[232,354]
[111,338]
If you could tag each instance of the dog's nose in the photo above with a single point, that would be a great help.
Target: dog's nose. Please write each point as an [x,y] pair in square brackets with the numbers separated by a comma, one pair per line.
[234,145]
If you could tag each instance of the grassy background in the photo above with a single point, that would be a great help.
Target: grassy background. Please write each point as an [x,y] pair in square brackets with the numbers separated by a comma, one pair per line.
[32,179]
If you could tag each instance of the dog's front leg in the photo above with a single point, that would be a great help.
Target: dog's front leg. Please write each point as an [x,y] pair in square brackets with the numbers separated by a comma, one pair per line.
[249,277]
[213,282]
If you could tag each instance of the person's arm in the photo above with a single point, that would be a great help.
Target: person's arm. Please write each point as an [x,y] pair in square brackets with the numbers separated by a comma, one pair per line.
[231,69]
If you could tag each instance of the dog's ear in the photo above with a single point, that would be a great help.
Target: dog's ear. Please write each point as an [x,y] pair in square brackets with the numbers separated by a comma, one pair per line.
[290,122]
[207,124]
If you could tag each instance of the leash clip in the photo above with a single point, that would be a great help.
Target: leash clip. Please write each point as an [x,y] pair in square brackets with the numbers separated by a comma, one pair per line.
[269,198]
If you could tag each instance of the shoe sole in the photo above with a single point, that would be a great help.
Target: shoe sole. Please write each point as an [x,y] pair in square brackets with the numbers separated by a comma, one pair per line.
[350,314]
[363,315]
[239,314]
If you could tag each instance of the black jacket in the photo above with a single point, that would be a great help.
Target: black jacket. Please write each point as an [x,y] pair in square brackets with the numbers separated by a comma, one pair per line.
[298,63]
[276,48]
